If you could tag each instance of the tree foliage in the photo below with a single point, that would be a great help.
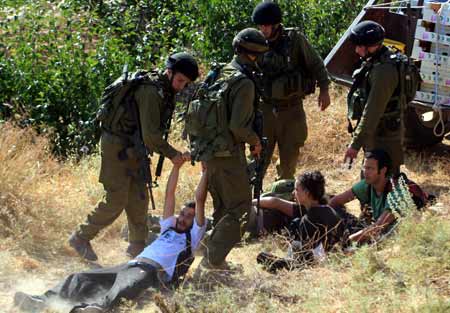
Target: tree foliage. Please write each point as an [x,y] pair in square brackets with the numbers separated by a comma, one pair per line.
[57,56]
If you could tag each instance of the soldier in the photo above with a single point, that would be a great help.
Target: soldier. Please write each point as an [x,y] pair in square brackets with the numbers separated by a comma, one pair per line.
[291,70]
[375,93]
[228,182]
[154,101]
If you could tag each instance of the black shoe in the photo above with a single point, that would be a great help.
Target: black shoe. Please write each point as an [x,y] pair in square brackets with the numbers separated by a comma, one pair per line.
[91,308]
[82,247]
[272,263]
[29,303]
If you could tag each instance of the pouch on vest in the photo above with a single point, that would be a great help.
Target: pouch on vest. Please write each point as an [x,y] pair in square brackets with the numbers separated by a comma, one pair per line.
[285,86]
[112,104]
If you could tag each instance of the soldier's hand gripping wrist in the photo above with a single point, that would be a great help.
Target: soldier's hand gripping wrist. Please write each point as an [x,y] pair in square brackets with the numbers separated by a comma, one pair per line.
[186,156]
[178,159]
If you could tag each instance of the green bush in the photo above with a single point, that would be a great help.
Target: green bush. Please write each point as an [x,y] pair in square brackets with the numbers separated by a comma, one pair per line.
[57,56]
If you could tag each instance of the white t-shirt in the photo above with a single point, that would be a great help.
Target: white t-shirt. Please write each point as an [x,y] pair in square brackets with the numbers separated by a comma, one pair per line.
[166,248]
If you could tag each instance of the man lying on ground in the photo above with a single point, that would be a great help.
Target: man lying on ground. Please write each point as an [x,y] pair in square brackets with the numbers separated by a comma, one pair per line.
[165,261]
[317,226]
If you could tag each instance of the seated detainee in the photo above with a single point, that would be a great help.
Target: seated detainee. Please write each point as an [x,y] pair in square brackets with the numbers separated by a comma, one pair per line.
[372,193]
[315,224]
[164,261]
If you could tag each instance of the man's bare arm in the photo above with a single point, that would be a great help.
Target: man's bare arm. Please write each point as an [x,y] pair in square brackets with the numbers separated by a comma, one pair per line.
[373,230]
[285,207]
[200,198]
[169,200]
[341,199]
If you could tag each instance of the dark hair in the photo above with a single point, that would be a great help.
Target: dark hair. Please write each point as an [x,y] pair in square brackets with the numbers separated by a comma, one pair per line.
[314,183]
[381,156]
[190,204]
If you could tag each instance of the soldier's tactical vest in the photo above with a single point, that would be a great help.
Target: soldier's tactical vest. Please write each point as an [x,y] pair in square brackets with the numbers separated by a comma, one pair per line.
[208,116]
[284,76]
[116,115]
[409,80]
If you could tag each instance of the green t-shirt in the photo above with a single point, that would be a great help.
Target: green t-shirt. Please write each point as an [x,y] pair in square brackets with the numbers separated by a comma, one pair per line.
[378,204]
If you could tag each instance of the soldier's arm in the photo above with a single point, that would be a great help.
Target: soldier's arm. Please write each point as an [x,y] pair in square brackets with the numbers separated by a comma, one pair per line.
[383,81]
[242,96]
[314,64]
[149,102]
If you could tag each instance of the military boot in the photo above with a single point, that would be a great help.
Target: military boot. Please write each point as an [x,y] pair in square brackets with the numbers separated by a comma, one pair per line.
[29,303]
[135,248]
[82,247]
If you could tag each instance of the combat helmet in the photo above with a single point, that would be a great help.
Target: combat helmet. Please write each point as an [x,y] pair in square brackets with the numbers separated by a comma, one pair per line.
[367,33]
[250,40]
[267,13]
[184,63]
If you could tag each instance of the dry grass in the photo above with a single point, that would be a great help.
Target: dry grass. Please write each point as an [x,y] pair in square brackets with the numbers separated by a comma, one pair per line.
[41,201]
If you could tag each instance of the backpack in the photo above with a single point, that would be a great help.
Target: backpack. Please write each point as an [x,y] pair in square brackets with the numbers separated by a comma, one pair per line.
[207,117]
[113,104]
[282,189]
[409,81]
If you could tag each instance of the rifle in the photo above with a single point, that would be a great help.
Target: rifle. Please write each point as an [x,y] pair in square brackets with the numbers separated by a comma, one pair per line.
[258,162]
[144,174]
[160,163]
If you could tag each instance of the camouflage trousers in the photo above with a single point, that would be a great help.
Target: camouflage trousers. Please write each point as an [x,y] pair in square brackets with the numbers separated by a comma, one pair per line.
[122,192]
[229,187]
[286,128]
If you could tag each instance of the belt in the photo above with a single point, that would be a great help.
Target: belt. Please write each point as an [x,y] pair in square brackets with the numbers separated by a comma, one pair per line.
[283,105]
[150,265]
[115,139]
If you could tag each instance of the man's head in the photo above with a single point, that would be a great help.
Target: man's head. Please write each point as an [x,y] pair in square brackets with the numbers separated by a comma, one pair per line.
[309,186]
[377,164]
[367,37]
[185,219]
[181,70]
[249,43]
[267,16]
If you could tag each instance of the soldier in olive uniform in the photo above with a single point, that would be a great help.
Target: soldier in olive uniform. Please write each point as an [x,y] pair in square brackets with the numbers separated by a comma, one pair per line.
[154,102]
[228,182]
[291,70]
[375,92]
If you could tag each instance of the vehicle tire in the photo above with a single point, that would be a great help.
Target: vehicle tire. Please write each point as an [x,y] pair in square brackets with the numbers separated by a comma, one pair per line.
[419,131]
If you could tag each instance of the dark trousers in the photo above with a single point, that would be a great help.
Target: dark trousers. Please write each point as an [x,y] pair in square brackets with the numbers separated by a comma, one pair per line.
[105,286]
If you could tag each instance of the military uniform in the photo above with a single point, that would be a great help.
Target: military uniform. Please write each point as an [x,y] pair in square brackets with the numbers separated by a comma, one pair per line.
[380,126]
[228,182]
[119,165]
[290,71]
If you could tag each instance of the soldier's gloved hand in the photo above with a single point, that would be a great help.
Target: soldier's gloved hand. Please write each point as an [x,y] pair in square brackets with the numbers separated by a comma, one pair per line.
[256,149]
[178,159]
[324,99]
[350,154]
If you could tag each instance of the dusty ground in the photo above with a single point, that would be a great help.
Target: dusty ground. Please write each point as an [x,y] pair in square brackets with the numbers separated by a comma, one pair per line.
[41,201]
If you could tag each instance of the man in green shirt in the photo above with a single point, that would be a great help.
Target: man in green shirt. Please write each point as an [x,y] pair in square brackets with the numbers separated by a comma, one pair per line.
[291,70]
[371,193]
[153,101]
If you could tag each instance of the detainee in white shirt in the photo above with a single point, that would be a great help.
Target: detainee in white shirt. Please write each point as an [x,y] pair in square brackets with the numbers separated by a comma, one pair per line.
[165,260]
